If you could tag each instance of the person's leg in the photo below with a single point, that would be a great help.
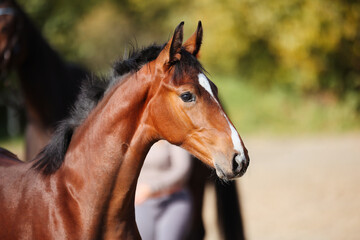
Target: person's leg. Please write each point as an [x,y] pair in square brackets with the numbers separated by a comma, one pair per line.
[174,222]
[145,215]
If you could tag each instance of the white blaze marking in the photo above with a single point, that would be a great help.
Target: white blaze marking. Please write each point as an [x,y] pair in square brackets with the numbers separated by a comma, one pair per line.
[236,140]
[204,82]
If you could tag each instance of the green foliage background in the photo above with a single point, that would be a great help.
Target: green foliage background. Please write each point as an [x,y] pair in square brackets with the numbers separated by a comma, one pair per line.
[307,49]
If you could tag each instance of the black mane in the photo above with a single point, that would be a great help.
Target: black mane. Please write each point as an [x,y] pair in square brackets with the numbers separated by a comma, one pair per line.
[92,91]
[136,60]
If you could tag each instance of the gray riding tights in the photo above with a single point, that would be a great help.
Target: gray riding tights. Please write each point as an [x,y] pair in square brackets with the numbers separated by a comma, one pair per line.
[165,218]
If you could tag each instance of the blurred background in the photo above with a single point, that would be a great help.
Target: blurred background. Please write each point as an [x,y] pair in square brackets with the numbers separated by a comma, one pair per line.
[288,73]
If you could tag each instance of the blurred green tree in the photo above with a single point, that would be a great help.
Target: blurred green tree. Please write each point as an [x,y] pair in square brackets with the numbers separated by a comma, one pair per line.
[309,46]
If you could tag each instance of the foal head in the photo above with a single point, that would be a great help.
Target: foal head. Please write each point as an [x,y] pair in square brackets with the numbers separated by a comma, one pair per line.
[186,111]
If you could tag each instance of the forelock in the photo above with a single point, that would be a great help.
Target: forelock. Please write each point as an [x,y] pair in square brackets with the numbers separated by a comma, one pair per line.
[188,65]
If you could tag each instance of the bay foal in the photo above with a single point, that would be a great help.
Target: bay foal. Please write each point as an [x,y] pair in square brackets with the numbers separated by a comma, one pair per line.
[82,186]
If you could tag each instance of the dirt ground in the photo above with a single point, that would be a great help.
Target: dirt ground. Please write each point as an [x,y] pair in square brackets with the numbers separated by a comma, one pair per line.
[299,188]
[296,188]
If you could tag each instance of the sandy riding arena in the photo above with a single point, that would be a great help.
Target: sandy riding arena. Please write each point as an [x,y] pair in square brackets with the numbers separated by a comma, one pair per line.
[296,188]
[301,188]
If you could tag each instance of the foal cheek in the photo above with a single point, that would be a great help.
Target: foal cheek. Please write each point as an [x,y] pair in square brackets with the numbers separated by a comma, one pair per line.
[173,120]
[181,122]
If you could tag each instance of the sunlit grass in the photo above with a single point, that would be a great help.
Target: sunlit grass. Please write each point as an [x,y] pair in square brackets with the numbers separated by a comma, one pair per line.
[14,145]
[276,111]
[268,112]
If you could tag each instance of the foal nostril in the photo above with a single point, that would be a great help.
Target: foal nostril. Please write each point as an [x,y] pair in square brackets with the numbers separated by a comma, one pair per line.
[237,164]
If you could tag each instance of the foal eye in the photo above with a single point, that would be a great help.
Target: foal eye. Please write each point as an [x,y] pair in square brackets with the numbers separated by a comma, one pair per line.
[187,97]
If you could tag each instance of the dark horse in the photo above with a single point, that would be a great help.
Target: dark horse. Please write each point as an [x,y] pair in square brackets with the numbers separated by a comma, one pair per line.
[82,186]
[49,85]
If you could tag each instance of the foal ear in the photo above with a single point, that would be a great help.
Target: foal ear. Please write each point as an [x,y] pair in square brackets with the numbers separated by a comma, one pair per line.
[193,44]
[172,49]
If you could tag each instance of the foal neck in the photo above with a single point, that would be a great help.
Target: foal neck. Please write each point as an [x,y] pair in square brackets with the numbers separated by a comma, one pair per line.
[110,147]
